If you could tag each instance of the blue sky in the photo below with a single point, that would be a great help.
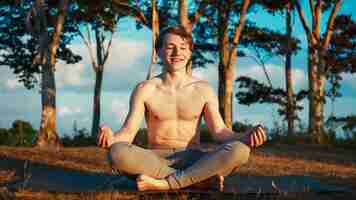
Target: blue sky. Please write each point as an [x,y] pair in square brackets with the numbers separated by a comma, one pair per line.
[127,65]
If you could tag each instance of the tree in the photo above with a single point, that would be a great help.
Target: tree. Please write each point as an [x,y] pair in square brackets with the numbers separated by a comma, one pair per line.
[317,47]
[47,49]
[155,33]
[341,56]
[35,50]
[285,6]
[252,91]
[98,19]
[23,132]
[189,20]
[227,52]
[288,72]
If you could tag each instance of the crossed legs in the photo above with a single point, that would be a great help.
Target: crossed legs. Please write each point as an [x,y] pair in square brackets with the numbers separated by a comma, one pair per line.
[155,173]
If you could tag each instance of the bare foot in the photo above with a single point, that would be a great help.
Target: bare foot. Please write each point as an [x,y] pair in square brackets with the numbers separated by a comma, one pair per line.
[148,183]
[215,183]
[255,136]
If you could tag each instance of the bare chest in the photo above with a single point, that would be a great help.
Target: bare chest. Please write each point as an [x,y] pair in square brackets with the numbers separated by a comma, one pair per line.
[182,105]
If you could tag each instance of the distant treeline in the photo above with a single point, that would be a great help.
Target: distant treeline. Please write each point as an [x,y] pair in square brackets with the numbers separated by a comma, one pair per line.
[22,133]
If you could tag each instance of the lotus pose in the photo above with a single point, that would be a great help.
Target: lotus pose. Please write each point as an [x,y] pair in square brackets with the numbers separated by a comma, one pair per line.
[174,103]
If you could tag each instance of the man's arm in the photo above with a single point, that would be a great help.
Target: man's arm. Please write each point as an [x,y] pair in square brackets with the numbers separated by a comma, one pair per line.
[132,122]
[213,118]
[253,137]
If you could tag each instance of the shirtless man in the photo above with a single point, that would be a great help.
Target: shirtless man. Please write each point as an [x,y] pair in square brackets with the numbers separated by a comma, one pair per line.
[175,102]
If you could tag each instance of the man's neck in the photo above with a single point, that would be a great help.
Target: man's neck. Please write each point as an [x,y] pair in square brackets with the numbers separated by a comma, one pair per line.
[175,79]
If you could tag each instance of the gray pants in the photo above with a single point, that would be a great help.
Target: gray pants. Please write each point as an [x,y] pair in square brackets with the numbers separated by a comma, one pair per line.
[180,167]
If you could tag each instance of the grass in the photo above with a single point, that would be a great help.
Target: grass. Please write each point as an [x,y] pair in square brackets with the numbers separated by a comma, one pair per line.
[327,164]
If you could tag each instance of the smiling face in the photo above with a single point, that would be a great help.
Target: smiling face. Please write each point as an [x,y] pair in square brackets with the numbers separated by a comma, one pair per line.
[175,52]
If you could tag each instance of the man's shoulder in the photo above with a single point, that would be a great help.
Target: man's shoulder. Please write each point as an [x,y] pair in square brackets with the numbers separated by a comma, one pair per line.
[147,85]
[201,85]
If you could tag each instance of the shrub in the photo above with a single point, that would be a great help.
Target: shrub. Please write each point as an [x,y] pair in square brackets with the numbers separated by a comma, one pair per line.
[21,133]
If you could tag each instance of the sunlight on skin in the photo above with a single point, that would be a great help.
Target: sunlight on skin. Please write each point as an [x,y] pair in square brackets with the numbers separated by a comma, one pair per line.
[148,183]
[171,98]
[145,182]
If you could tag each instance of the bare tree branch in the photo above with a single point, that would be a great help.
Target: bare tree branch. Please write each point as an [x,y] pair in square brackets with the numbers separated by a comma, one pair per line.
[127,9]
[302,18]
[240,25]
[317,20]
[107,49]
[311,6]
[88,44]
[330,25]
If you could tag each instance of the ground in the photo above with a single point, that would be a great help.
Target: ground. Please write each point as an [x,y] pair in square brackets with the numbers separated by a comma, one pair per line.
[328,164]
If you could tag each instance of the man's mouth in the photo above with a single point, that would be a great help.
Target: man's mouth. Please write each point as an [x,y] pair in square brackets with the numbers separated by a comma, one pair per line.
[176,60]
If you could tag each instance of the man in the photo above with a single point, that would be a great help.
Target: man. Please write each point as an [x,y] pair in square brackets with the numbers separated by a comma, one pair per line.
[174,103]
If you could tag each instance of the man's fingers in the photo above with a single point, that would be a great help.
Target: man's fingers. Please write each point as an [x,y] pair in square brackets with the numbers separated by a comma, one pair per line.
[258,136]
[102,138]
[252,140]
[264,134]
[261,134]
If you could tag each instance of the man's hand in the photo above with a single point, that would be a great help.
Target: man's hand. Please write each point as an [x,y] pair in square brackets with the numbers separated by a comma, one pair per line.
[255,136]
[105,137]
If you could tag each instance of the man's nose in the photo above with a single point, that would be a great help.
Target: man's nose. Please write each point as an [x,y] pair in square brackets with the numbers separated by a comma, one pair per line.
[175,51]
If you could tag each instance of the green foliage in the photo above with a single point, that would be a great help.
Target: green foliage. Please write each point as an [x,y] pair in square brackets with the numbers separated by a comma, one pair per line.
[18,48]
[252,91]
[341,53]
[20,134]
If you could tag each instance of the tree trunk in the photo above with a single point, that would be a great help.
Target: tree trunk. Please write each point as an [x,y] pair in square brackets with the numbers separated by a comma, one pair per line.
[99,69]
[97,101]
[288,74]
[226,74]
[226,79]
[183,16]
[155,33]
[316,69]
[228,56]
[316,96]
[185,22]
[47,136]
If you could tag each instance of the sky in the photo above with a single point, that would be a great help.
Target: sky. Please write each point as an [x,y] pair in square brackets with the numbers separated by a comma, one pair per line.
[128,64]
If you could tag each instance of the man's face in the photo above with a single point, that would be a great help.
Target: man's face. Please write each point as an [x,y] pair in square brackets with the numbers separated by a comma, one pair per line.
[175,52]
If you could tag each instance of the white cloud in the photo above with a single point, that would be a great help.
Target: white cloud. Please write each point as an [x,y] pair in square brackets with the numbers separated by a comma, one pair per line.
[13,84]
[67,110]
[72,75]
[127,52]
[276,74]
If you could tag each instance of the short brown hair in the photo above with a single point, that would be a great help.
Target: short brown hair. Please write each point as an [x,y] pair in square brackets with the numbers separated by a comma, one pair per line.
[176,30]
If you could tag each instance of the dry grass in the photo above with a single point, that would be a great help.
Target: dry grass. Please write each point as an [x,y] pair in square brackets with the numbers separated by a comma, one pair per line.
[336,166]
